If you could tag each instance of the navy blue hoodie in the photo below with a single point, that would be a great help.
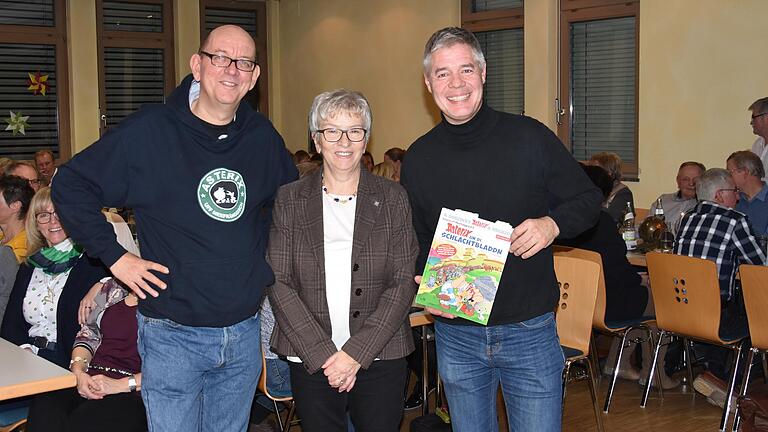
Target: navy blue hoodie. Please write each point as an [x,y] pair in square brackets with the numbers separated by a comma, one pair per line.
[202,205]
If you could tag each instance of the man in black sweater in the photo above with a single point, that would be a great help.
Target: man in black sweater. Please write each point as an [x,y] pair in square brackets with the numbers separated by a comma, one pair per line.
[201,173]
[504,167]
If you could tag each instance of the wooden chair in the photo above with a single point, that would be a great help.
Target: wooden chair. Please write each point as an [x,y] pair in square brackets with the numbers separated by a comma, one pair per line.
[617,329]
[754,284]
[686,295]
[262,386]
[578,281]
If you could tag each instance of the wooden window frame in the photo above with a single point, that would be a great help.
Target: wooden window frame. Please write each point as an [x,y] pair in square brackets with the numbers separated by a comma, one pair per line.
[134,39]
[500,19]
[260,7]
[572,11]
[56,36]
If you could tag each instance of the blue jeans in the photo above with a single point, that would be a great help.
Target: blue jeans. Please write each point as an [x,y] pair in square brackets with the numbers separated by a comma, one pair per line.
[524,357]
[198,378]
[278,382]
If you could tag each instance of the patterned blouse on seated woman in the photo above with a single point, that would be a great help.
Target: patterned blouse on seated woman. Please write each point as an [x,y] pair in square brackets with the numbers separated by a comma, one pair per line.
[41,314]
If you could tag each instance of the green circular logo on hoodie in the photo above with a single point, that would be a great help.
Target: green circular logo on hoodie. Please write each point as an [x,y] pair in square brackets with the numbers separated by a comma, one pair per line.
[221,194]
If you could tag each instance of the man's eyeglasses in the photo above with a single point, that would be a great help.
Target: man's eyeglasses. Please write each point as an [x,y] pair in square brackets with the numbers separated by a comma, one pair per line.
[35,182]
[754,116]
[334,135]
[223,61]
[734,190]
[45,217]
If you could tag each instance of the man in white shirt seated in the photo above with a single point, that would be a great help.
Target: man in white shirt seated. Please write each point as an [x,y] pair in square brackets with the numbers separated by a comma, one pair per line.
[759,122]
[676,204]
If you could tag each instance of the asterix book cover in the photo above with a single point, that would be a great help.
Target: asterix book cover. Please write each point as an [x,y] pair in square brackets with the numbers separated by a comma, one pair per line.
[464,265]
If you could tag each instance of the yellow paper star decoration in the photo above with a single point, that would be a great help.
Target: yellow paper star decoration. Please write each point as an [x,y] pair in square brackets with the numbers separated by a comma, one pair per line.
[17,122]
[37,83]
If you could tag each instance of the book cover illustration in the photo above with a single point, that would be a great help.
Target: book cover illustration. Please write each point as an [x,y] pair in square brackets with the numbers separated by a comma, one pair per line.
[464,266]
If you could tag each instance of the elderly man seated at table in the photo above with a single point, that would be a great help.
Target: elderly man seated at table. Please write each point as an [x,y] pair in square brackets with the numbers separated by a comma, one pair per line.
[713,230]
[676,204]
[747,171]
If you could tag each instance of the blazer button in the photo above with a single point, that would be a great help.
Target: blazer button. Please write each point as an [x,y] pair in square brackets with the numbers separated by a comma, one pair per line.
[355,267]
[359,292]
[355,314]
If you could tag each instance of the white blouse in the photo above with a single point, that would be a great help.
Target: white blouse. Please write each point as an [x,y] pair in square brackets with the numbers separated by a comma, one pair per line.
[42,299]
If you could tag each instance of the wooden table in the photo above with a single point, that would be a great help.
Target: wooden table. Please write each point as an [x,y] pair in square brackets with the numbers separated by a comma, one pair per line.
[23,373]
[637,258]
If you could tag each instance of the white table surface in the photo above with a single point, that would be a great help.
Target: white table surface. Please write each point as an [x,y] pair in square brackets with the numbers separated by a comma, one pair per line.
[23,373]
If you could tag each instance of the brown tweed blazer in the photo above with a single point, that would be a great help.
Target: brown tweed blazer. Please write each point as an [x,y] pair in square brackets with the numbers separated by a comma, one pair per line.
[384,253]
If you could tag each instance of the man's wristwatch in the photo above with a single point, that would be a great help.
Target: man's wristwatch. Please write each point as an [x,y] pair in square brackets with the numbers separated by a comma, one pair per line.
[132,383]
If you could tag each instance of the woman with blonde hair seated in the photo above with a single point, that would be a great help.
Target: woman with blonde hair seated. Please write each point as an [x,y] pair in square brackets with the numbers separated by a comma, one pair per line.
[384,169]
[616,203]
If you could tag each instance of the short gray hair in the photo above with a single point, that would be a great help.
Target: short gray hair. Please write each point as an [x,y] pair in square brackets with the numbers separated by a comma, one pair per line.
[448,37]
[746,160]
[711,181]
[332,103]
[759,106]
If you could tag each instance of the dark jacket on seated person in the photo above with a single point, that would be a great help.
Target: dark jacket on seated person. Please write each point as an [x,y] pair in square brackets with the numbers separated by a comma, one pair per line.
[625,297]
[15,328]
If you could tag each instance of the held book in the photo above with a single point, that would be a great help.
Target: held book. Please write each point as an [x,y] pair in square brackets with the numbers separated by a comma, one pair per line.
[464,265]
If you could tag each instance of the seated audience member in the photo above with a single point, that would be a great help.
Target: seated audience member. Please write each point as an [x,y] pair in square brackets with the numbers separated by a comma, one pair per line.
[626,297]
[713,230]
[386,170]
[301,156]
[675,204]
[616,203]
[759,123]
[394,156]
[46,166]
[106,363]
[8,268]
[368,161]
[26,171]
[41,315]
[747,172]
[15,198]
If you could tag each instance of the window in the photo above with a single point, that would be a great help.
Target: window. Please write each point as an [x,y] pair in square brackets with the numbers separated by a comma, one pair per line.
[498,26]
[136,59]
[599,80]
[251,16]
[33,79]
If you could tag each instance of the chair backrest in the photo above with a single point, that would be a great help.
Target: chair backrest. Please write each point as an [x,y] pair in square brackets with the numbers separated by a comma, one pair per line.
[686,295]
[262,386]
[598,319]
[578,280]
[754,285]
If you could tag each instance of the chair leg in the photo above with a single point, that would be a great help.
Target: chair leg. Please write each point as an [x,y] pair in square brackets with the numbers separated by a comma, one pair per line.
[765,368]
[659,369]
[289,418]
[277,414]
[743,392]
[731,385]
[615,376]
[688,360]
[594,357]
[566,376]
[648,382]
[593,392]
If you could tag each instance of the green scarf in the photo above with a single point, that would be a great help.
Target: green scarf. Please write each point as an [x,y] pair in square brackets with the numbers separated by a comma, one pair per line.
[55,261]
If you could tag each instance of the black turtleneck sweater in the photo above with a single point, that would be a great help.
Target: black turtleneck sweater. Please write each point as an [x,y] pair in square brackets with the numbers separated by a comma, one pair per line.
[503,167]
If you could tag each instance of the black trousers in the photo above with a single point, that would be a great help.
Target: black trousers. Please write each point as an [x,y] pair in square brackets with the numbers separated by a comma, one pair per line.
[65,411]
[375,403]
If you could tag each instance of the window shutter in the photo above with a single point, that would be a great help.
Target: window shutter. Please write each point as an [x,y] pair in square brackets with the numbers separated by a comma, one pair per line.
[603,96]
[133,77]
[42,132]
[27,13]
[505,83]
[215,17]
[487,5]
[135,17]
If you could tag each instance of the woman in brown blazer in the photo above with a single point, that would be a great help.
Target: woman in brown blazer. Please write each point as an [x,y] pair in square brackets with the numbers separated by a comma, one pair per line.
[343,250]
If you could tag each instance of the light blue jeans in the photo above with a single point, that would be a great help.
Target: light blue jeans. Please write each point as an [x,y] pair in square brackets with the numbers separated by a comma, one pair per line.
[525,358]
[198,378]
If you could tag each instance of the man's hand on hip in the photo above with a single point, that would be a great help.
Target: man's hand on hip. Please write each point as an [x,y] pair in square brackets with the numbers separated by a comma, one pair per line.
[533,235]
[135,273]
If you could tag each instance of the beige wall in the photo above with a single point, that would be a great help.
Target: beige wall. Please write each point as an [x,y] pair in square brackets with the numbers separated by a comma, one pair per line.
[371,46]
[699,70]
[700,67]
